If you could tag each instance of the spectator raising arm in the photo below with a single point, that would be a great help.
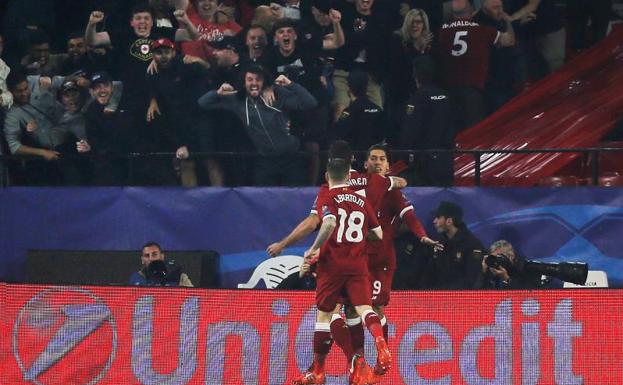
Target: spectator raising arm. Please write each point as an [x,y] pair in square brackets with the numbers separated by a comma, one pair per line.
[293,96]
[91,36]
[336,39]
[187,30]
[507,38]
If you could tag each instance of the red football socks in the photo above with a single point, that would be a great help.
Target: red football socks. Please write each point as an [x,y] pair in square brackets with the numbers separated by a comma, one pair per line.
[357,337]
[322,346]
[341,336]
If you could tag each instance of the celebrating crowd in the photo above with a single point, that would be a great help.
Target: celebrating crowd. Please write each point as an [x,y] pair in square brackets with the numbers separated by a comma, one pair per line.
[251,92]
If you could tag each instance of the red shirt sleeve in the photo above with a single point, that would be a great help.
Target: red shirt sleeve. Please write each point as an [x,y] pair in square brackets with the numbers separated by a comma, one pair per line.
[373,221]
[324,189]
[407,214]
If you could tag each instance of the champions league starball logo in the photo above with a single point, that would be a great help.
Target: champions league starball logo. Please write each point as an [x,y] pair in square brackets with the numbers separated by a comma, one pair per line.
[63,328]
[583,233]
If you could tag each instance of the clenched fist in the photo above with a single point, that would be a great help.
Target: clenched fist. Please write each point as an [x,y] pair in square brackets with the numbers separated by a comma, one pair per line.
[96,17]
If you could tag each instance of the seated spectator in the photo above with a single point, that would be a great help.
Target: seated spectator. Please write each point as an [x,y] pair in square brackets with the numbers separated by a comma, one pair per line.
[39,61]
[429,123]
[412,40]
[267,125]
[362,123]
[161,273]
[213,22]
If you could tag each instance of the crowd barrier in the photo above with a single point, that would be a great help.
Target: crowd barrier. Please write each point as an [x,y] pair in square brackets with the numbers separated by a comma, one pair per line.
[61,335]
[590,162]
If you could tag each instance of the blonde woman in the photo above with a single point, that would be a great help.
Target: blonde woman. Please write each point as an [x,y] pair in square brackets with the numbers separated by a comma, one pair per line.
[413,39]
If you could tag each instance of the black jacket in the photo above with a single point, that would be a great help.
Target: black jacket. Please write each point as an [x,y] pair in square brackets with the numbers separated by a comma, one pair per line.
[458,266]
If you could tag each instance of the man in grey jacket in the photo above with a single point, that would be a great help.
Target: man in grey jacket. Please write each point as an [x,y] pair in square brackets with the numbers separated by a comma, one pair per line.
[267,124]
[43,124]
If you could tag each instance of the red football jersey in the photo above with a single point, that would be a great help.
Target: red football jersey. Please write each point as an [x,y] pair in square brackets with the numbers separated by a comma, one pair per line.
[344,252]
[463,53]
[383,254]
[371,186]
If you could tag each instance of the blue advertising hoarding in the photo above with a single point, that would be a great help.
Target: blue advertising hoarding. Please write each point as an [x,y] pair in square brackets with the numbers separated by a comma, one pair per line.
[579,224]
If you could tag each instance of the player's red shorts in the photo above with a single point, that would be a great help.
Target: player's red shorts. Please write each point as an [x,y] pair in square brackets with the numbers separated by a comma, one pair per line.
[332,289]
[380,285]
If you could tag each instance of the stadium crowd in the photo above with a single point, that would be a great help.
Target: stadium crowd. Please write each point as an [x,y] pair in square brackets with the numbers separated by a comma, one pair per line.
[86,83]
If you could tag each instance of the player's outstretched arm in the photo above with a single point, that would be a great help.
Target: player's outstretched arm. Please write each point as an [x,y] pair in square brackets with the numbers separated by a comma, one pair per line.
[302,230]
[398,182]
[416,227]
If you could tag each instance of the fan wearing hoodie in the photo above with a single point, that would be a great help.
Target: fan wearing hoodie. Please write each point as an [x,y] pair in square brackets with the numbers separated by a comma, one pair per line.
[268,126]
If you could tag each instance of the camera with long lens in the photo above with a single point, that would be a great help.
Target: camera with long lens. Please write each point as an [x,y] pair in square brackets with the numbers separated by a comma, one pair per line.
[497,261]
[163,273]
[574,272]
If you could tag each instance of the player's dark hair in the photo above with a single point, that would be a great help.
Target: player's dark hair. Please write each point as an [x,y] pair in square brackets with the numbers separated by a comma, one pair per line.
[143,7]
[338,169]
[378,146]
[340,149]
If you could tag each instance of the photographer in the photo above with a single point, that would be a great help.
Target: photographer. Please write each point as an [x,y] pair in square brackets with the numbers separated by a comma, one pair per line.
[156,271]
[304,279]
[502,269]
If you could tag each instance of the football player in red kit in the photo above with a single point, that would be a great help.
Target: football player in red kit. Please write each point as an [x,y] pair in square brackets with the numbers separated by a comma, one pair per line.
[348,219]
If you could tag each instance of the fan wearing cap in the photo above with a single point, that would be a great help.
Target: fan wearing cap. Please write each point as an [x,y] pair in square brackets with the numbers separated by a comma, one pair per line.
[134,47]
[111,132]
[173,111]
[227,54]
[43,125]
[458,265]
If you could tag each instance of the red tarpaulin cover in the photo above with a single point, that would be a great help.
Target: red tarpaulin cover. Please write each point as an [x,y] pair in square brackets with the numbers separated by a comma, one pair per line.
[571,108]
